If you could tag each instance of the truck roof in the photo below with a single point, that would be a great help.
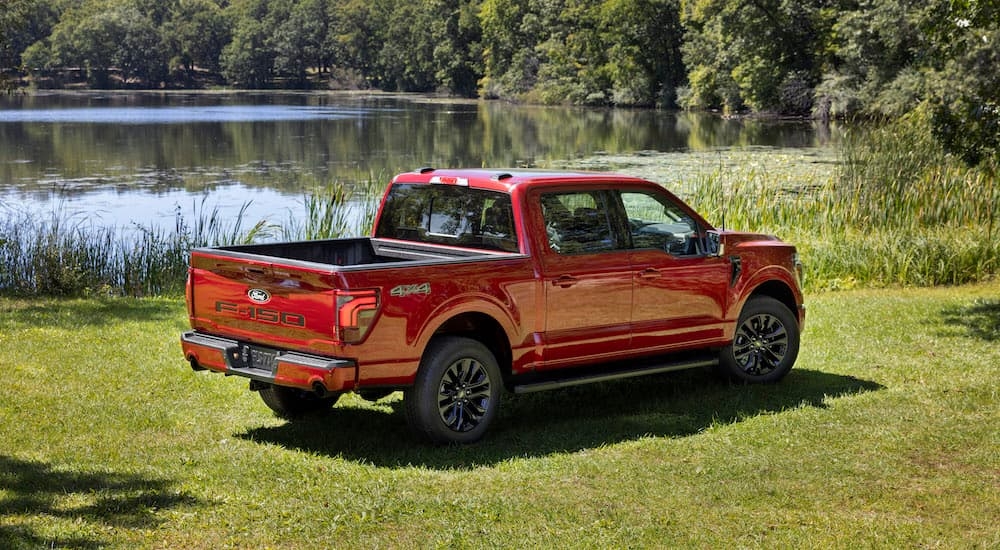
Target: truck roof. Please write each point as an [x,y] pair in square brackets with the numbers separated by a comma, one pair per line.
[508,179]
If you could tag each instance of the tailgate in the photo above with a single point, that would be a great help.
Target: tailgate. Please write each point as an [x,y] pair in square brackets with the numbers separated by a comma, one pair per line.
[254,299]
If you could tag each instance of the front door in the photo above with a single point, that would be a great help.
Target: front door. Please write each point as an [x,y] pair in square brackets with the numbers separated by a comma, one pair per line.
[680,291]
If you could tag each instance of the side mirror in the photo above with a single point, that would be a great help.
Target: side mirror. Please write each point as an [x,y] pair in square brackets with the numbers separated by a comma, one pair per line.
[713,244]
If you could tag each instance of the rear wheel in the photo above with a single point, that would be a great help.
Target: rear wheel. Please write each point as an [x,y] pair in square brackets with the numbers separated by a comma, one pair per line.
[456,394]
[765,345]
[293,402]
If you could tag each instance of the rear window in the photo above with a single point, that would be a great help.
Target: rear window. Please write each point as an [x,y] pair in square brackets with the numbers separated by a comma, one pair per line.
[446,214]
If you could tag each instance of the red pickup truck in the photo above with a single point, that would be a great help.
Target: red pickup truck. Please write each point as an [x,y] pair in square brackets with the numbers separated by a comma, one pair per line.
[476,281]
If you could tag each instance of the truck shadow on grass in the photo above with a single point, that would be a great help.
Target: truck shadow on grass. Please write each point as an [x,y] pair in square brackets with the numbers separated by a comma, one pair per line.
[35,493]
[668,406]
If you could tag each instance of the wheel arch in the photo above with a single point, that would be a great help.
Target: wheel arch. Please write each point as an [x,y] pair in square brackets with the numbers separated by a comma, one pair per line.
[779,291]
[484,329]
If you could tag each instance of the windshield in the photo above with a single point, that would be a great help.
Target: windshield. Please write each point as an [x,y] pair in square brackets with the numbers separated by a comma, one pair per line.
[446,214]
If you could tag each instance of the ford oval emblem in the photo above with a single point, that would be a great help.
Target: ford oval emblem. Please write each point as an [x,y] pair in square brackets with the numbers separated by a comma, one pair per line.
[259,295]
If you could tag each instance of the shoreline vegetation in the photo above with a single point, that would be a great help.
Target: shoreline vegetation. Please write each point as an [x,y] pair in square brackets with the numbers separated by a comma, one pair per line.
[63,255]
[895,210]
[912,201]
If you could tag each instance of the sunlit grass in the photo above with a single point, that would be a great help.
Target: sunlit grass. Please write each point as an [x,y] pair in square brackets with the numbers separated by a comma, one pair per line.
[884,435]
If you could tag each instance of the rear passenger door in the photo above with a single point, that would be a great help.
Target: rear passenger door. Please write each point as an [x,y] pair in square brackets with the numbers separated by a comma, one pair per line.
[586,277]
[680,291]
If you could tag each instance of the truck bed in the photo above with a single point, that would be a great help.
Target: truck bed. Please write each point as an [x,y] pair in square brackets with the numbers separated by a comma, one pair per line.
[357,252]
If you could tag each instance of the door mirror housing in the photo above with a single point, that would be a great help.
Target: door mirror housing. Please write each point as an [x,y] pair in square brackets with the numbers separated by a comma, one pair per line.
[713,244]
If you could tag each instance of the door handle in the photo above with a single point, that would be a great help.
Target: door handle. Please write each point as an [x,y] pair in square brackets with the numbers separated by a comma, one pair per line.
[564,281]
[650,273]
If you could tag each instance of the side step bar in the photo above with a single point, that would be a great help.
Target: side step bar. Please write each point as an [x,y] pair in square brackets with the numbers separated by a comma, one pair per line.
[604,376]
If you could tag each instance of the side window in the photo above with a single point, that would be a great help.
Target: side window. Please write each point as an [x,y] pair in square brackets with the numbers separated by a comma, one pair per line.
[578,222]
[655,222]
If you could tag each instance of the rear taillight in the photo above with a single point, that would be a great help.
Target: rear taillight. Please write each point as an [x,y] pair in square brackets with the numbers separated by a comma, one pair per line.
[356,310]
[189,292]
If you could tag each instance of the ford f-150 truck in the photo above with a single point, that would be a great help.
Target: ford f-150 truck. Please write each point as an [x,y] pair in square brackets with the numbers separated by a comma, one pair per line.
[474,282]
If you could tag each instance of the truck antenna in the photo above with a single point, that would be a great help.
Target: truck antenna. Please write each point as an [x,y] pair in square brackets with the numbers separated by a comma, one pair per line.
[725,200]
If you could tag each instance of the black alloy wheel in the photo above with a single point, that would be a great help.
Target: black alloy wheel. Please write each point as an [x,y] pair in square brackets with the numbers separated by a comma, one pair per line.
[765,345]
[456,394]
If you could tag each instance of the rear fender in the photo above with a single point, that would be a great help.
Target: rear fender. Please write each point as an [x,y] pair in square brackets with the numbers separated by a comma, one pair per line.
[478,304]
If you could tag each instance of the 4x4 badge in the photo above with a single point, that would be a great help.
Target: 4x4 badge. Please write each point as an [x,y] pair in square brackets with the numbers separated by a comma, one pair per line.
[407,290]
[259,295]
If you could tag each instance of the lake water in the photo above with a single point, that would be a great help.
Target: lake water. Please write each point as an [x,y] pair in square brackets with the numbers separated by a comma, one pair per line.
[118,159]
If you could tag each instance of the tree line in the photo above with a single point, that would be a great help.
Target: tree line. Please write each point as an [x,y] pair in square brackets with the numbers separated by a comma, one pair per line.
[821,58]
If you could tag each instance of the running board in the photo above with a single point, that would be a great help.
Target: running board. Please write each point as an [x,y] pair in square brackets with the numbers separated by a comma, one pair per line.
[605,376]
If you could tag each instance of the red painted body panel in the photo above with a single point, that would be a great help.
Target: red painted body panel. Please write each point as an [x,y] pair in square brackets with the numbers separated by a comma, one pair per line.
[551,310]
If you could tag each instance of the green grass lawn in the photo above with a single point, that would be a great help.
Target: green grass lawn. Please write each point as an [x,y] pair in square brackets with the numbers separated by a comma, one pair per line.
[886,434]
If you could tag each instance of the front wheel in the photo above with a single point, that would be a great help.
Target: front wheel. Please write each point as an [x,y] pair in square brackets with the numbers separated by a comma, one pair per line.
[456,394]
[765,345]
[292,402]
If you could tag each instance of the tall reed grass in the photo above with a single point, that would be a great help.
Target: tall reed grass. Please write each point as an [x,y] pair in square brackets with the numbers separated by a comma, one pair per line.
[337,210]
[897,210]
[66,255]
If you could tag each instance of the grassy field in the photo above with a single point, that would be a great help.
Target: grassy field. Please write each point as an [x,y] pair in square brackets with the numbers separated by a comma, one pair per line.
[886,434]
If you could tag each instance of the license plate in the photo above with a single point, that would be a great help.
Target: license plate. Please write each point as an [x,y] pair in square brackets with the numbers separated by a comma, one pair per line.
[260,359]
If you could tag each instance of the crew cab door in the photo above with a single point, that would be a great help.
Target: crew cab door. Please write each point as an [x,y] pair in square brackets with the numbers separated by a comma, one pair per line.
[680,291]
[586,278]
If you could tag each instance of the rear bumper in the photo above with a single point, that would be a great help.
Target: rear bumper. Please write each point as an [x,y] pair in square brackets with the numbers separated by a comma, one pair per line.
[288,368]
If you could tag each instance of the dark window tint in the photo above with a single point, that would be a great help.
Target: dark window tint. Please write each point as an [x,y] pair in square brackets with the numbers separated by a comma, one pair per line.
[578,222]
[452,215]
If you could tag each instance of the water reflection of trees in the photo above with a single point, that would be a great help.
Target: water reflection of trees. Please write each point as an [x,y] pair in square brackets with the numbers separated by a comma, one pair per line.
[382,135]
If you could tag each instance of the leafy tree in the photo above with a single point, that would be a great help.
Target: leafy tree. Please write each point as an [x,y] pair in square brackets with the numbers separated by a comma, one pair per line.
[874,46]
[643,40]
[406,58]
[623,52]
[12,18]
[247,61]
[103,34]
[964,87]
[891,58]
[22,24]
[139,53]
[753,53]
[87,37]
[353,41]
[196,32]
[510,33]
[458,50]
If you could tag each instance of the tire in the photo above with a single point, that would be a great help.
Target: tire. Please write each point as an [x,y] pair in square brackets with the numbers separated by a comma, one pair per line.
[293,402]
[456,394]
[765,345]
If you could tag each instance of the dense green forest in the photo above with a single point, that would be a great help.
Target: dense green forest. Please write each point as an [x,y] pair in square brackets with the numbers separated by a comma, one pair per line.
[822,58]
